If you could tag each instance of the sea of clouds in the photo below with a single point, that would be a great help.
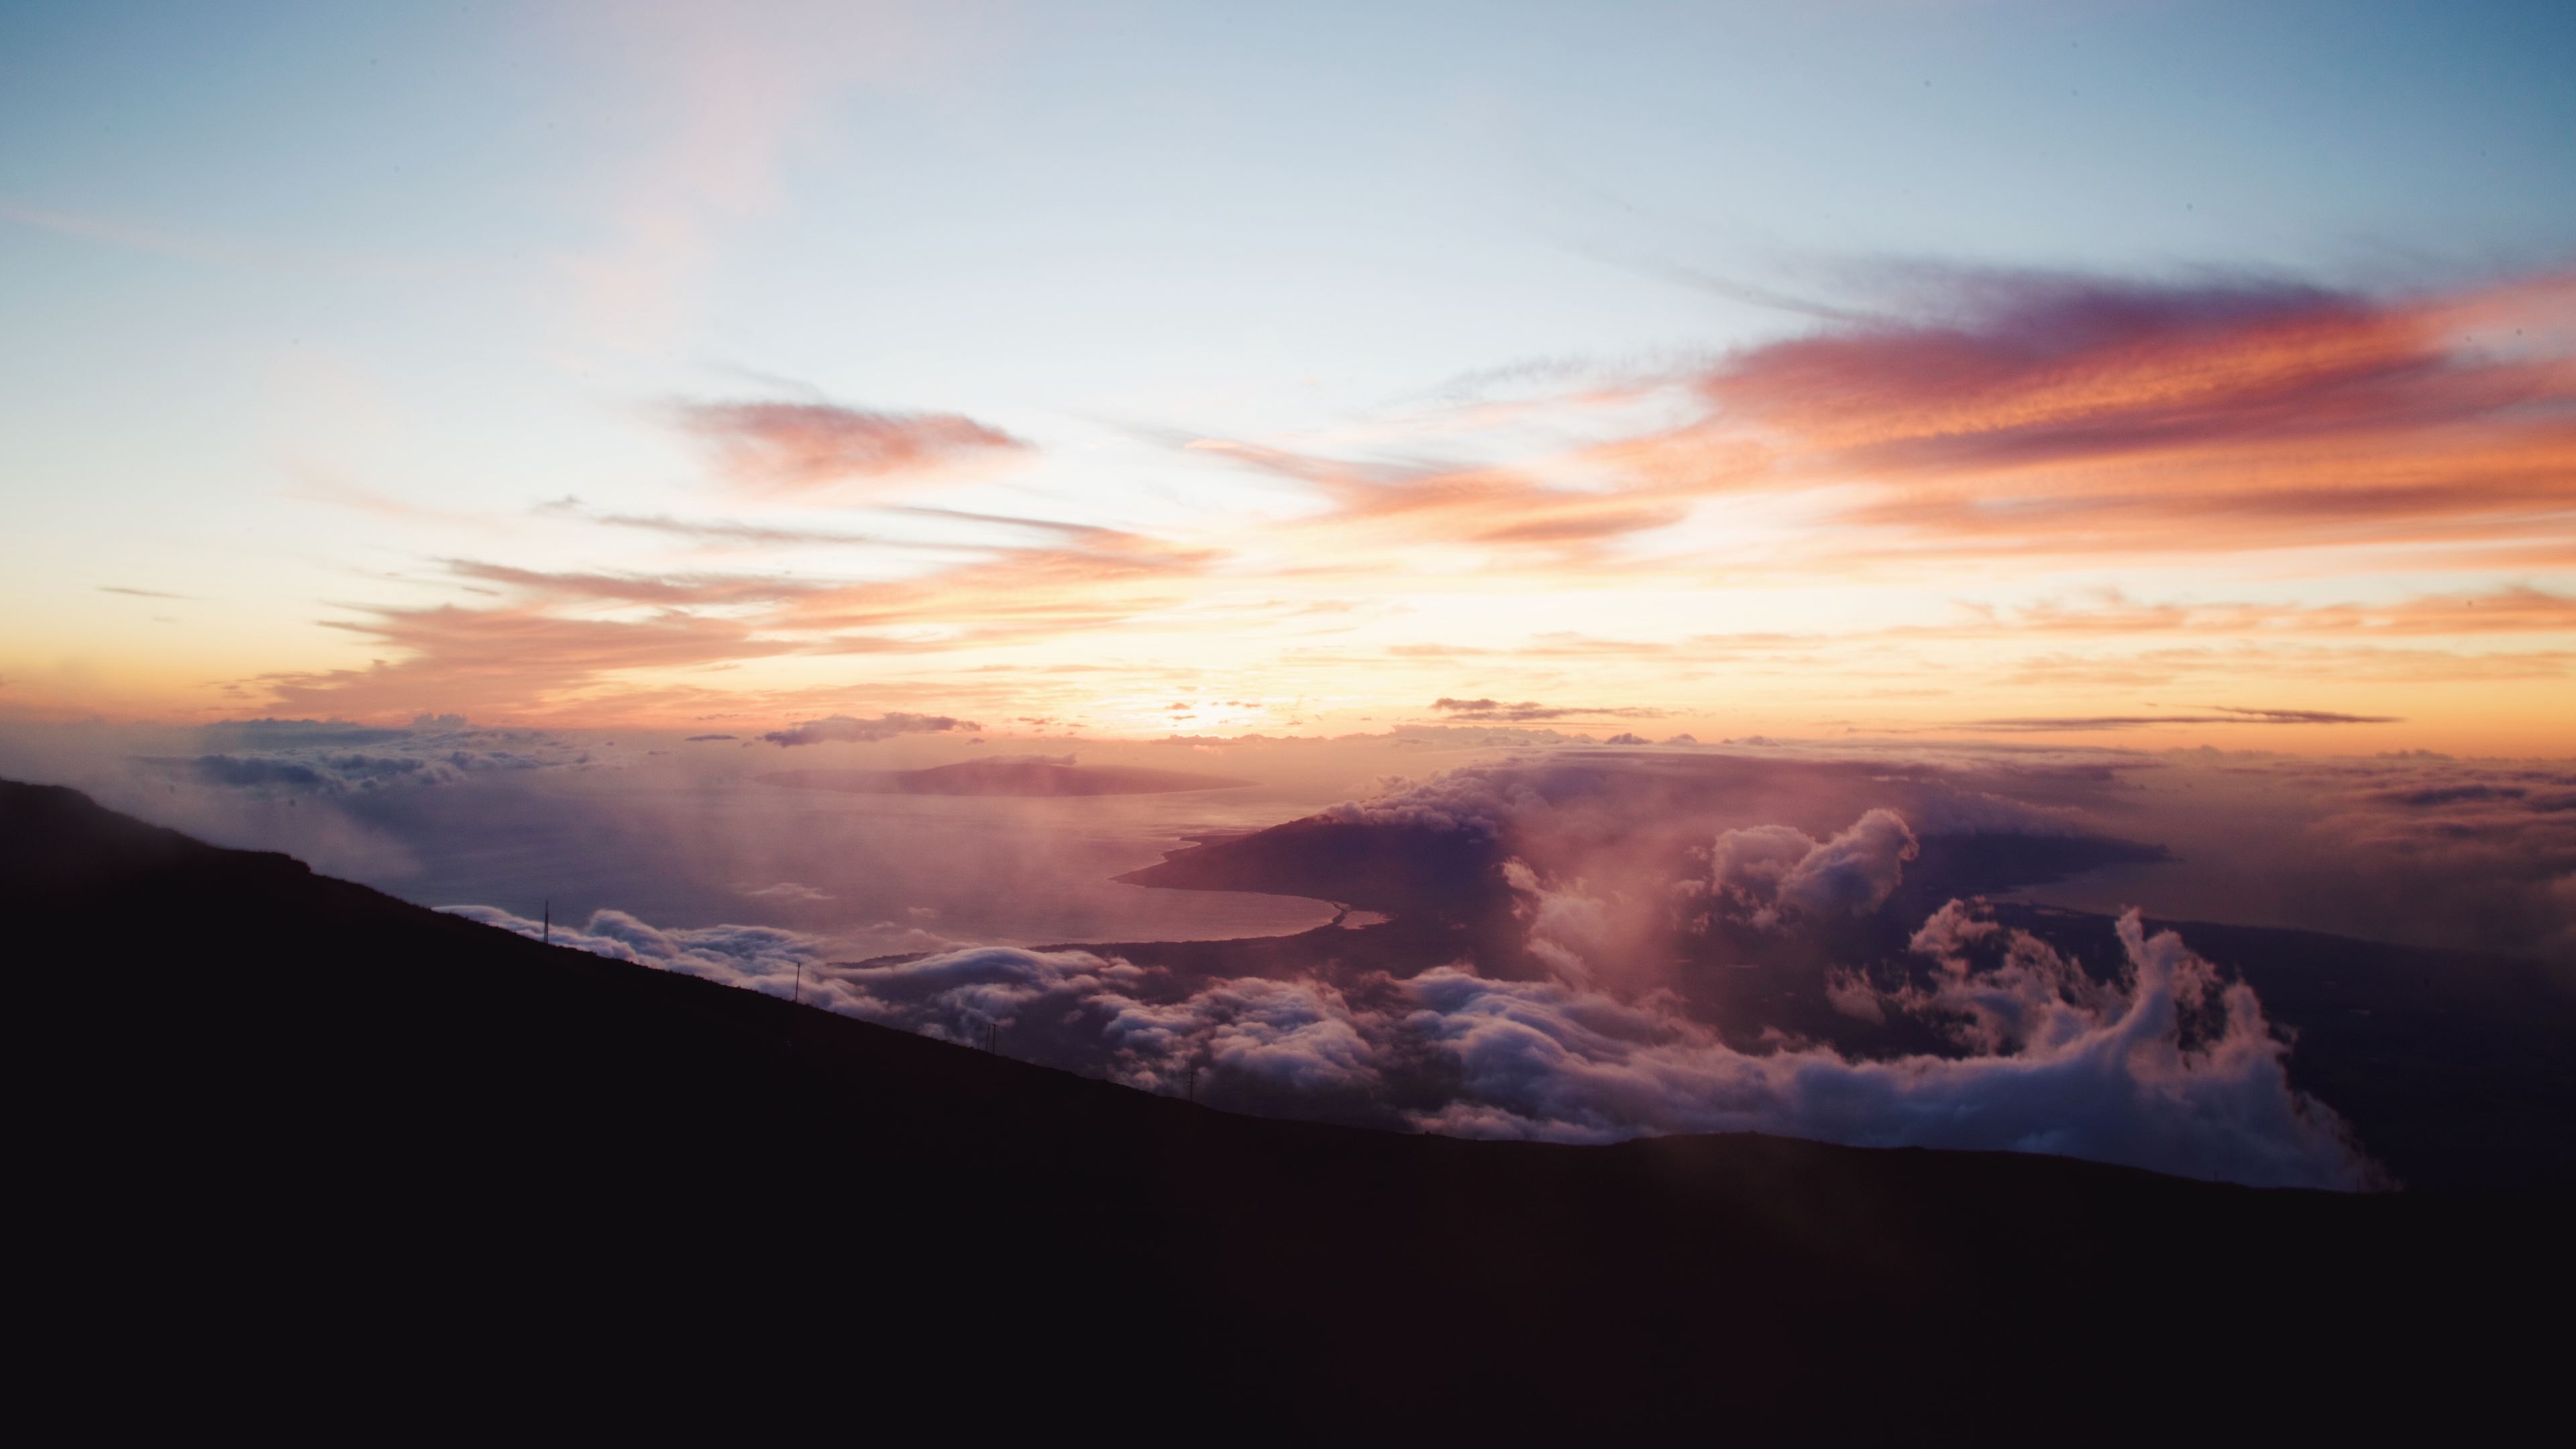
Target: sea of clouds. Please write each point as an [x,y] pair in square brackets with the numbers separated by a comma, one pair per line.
[1608,857]
[2164,1066]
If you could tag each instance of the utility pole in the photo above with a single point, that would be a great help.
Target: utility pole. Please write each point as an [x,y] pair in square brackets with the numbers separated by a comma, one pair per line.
[549,909]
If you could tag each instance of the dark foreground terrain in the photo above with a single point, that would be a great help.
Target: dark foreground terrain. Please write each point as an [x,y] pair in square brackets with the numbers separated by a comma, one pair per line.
[295,1154]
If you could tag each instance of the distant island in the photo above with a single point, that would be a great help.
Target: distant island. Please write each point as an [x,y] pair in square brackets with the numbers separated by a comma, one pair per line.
[1036,779]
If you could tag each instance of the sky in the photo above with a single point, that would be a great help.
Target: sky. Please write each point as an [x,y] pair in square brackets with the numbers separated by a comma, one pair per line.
[2088,374]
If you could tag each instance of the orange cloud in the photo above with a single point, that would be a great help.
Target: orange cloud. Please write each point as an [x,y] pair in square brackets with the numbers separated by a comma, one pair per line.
[692,590]
[548,649]
[2038,414]
[512,662]
[1408,504]
[2013,426]
[2517,610]
[2092,416]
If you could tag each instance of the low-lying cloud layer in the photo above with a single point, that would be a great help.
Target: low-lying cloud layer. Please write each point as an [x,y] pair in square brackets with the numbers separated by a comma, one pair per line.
[335,757]
[759,957]
[2155,1061]
[2116,1074]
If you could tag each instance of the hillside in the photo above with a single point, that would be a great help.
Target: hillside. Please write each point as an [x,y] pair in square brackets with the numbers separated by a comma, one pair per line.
[282,1123]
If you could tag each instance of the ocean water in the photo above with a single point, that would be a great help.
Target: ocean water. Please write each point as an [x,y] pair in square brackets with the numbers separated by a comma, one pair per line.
[866,874]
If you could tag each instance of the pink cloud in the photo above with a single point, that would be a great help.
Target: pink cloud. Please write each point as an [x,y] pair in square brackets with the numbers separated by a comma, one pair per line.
[790,448]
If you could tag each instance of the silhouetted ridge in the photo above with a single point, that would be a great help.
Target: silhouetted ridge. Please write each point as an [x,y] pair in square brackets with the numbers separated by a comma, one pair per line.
[1398,868]
[53,838]
[293,1141]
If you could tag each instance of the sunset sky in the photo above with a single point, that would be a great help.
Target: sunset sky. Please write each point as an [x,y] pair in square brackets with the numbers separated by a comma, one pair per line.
[2082,373]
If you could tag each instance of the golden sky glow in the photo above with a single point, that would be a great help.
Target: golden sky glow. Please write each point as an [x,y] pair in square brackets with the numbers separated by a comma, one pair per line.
[2086,498]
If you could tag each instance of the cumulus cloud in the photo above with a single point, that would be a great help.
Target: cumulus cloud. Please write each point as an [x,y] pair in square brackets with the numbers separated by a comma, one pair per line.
[2029,994]
[2405,847]
[1632,822]
[1853,872]
[2118,1084]
[2120,1077]
[848,729]
[1473,801]
[1570,929]
[1762,873]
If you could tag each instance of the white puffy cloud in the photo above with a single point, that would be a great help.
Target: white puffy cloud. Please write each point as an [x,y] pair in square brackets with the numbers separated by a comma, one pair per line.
[2119,1082]
[1570,929]
[757,958]
[1763,873]
[2119,1075]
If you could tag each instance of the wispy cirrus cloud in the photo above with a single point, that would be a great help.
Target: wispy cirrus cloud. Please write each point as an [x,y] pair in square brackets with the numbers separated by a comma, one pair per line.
[736,534]
[2215,714]
[1415,503]
[2077,413]
[695,590]
[1528,710]
[514,661]
[799,448]
[1982,426]
[561,638]
[1997,414]
[719,100]
[2516,609]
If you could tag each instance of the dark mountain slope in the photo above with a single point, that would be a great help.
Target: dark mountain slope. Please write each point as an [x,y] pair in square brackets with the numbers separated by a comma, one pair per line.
[295,1149]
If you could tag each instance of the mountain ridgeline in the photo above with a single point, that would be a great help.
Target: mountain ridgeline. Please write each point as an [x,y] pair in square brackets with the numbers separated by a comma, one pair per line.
[290,1139]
